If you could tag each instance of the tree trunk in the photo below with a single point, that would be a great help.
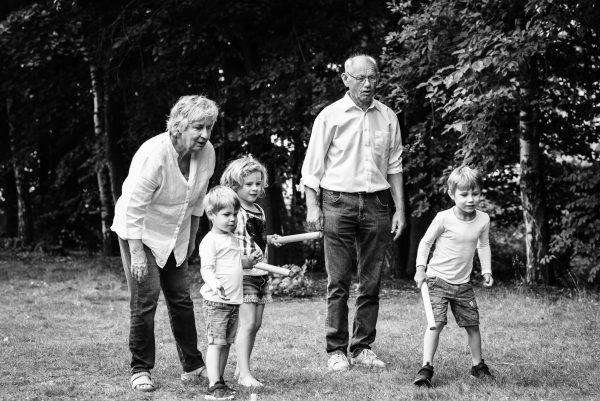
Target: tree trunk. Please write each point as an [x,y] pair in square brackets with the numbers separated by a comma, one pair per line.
[106,200]
[105,210]
[24,225]
[531,183]
[9,192]
[416,229]
[117,167]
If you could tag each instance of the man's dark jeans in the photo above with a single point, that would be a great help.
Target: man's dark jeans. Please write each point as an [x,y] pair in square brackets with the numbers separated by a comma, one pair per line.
[143,301]
[356,229]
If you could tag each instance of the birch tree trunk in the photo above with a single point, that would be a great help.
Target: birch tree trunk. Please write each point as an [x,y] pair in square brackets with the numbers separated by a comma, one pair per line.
[24,221]
[531,182]
[106,199]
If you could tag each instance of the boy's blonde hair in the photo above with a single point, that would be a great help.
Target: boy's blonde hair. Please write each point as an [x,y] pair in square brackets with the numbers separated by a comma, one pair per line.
[464,177]
[220,197]
[237,171]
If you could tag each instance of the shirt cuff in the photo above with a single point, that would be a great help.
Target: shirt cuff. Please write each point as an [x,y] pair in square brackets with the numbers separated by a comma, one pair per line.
[311,182]
[394,170]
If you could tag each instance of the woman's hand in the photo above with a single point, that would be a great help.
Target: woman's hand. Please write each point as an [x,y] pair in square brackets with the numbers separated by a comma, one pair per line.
[139,265]
[191,247]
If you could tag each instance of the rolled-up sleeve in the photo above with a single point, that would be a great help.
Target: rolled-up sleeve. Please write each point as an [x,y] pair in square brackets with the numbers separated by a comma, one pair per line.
[395,159]
[141,183]
[313,167]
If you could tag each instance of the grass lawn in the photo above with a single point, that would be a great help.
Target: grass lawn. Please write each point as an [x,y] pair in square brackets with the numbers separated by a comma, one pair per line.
[64,326]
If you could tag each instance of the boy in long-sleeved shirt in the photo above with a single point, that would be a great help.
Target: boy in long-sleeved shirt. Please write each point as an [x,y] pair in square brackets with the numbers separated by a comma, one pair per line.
[457,233]
[221,269]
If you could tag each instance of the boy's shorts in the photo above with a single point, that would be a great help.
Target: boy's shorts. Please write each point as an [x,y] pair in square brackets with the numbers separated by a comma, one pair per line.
[256,289]
[460,297]
[221,322]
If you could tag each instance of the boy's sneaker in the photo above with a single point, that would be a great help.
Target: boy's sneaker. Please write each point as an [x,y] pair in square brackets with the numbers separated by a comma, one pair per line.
[424,376]
[218,392]
[481,370]
[338,362]
[366,357]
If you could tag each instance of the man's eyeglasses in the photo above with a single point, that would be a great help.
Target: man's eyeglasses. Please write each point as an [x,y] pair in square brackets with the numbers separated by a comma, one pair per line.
[361,78]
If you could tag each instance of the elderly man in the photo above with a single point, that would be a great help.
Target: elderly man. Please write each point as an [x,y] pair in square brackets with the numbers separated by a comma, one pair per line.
[352,163]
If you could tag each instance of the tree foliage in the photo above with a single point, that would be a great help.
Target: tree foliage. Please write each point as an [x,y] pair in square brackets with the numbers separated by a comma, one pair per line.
[469,72]
[84,83]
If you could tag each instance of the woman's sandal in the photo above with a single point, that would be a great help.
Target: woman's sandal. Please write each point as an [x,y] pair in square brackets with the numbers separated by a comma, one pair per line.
[141,381]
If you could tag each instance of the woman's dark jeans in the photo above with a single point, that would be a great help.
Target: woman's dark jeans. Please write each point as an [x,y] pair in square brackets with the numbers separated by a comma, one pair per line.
[356,229]
[173,280]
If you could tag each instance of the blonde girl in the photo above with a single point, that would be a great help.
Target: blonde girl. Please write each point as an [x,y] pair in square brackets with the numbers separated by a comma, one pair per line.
[248,178]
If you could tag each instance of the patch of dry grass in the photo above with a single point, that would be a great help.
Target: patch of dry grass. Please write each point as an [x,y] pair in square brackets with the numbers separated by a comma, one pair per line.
[64,325]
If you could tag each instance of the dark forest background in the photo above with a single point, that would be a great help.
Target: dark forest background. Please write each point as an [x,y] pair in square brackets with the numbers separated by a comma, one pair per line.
[511,87]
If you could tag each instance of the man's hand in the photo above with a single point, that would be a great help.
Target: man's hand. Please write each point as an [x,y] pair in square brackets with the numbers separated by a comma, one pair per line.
[420,276]
[488,280]
[314,214]
[274,240]
[398,223]
[314,218]
[139,265]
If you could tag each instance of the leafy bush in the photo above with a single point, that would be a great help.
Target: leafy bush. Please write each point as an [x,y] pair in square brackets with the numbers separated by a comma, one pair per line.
[297,285]
[578,237]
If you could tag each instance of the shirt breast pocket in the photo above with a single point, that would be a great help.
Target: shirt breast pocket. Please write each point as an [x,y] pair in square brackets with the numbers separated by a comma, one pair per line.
[381,144]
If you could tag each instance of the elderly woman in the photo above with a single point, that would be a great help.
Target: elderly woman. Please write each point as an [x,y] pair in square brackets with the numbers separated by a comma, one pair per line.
[156,219]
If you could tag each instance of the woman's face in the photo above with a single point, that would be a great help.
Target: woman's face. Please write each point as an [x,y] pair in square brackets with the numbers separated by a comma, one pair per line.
[195,136]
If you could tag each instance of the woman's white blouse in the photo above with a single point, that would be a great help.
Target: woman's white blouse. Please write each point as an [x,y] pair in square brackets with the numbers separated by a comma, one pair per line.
[157,202]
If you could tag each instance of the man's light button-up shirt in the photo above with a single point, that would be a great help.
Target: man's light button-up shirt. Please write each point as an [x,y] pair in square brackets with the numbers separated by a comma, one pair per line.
[351,150]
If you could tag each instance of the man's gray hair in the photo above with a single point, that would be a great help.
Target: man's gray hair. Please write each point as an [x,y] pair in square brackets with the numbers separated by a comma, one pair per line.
[350,61]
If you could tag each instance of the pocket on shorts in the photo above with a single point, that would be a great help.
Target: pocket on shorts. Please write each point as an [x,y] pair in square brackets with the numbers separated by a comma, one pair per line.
[431,281]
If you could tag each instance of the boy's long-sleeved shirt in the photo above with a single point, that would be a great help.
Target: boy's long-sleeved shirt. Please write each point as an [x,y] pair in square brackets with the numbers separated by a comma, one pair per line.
[455,244]
[221,264]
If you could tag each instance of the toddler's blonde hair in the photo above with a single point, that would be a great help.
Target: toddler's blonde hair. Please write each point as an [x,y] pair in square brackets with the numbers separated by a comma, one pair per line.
[220,197]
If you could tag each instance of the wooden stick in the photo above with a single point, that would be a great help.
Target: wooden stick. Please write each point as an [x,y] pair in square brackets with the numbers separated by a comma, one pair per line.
[427,305]
[273,269]
[286,239]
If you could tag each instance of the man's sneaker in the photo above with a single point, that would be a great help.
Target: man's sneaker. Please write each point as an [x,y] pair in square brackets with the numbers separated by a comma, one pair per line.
[194,375]
[481,370]
[338,362]
[424,376]
[366,357]
[218,392]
